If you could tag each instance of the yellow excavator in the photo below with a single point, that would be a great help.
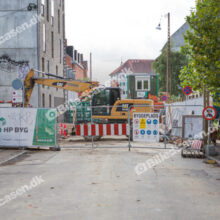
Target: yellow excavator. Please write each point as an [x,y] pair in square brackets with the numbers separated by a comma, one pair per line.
[59,82]
[107,106]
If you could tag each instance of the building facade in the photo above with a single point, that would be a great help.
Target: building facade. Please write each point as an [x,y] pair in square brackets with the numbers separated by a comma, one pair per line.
[32,36]
[77,68]
[119,77]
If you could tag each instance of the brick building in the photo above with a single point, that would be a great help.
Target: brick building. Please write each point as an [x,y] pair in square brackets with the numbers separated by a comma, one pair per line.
[77,68]
[76,62]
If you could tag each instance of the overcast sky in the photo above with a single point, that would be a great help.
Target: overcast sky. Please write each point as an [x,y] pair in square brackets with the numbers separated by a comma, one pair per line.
[115,30]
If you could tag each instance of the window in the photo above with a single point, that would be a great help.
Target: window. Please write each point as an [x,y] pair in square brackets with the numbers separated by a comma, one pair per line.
[50,101]
[43,68]
[57,73]
[59,21]
[52,44]
[60,51]
[48,11]
[44,38]
[139,85]
[42,7]
[57,70]
[43,100]
[48,70]
[143,83]
[63,20]
[146,84]
[48,66]
[43,64]
[52,12]
[63,5]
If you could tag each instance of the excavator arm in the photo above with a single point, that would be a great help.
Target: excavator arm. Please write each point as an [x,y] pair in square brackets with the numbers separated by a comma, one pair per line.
[66,84]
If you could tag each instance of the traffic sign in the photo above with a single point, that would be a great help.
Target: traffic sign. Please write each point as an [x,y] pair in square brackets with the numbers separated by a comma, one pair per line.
[17,100]
[146,130]
[164,98]
[187,90]
[17,96]
[17,84]
[209,113]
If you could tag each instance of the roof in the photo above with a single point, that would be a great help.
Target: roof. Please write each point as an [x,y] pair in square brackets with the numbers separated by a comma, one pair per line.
[134,66]
[177,38]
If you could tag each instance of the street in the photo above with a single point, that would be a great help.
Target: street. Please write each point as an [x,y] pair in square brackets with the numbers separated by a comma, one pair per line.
[102,184]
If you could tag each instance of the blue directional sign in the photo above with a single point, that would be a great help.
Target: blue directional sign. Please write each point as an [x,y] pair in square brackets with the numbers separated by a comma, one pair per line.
[155,121]
[149,132]
[142,132]
[148,121]
[155,132]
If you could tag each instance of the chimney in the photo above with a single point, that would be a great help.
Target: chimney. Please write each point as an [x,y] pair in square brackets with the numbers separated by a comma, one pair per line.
[75,55]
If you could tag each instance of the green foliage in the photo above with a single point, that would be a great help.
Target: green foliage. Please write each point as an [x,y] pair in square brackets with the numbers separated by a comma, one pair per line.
[203,47]
[178,60]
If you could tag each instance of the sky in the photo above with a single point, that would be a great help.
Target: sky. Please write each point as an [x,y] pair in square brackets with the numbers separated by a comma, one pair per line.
[118,30]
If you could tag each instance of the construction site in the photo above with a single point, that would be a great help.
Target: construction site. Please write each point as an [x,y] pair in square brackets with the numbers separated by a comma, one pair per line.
[82,137]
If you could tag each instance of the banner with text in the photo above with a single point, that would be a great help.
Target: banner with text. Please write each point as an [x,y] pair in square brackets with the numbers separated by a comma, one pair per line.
[27,127]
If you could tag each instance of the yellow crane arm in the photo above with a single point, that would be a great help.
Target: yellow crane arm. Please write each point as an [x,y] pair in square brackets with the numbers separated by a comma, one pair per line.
[70,85]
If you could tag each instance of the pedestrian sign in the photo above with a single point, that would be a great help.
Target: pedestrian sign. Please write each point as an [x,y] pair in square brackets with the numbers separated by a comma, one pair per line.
[146,127]
[209,113]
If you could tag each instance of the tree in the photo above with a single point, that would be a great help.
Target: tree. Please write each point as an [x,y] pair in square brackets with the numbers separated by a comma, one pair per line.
[178,60]
[203,48]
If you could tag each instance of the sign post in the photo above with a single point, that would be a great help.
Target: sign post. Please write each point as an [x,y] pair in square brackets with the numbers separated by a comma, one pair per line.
[209,113]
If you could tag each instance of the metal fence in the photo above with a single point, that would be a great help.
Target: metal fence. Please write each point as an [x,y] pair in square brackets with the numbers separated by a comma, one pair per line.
[175,122]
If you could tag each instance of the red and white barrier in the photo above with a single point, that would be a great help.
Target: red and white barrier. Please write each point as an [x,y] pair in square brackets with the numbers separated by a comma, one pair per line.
[63,131]
[197,144]
[101,129]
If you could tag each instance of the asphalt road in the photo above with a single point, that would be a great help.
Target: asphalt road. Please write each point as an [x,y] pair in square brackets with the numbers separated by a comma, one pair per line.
[102,184]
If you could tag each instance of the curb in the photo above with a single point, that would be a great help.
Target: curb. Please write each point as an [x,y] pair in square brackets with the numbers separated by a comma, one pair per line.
[13,158]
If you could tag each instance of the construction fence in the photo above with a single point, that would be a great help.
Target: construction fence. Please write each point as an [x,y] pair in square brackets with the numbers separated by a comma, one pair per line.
[143,125]
[28,127]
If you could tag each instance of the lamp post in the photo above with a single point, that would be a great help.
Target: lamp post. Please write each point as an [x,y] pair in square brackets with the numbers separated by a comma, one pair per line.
[168,72]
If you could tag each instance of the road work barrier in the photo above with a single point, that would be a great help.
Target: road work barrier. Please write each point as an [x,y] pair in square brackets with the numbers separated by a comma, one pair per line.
[101,129]
[27,127]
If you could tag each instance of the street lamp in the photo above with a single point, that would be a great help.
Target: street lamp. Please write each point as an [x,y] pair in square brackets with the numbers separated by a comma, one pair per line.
[168,74]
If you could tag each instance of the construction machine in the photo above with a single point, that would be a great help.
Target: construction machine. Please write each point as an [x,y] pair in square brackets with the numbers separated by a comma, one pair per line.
[106,104]
[58,82]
